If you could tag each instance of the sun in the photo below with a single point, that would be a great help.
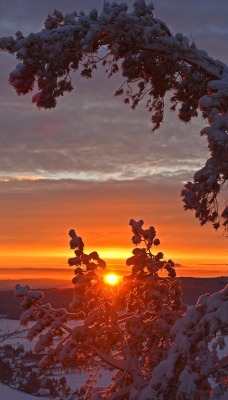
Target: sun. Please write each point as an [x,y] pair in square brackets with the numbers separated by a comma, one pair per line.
[111,279]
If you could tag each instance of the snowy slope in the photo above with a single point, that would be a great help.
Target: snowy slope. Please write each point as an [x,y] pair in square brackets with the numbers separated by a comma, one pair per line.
[14,334]
[7,393]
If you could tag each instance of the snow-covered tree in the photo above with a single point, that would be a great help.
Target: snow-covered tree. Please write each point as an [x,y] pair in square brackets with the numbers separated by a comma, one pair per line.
[194,355]
[139,329]
[125,328]
[152,61]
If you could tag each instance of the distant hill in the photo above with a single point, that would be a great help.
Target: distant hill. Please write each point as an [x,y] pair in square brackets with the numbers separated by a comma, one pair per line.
[34,283]
[10,306]
[193,288]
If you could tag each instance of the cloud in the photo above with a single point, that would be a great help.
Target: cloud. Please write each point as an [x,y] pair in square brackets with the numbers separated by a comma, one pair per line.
[204,22]
[90,134]
[95,135]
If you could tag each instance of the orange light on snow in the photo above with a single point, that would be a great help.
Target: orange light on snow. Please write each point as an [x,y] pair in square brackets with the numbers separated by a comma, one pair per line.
[111,279]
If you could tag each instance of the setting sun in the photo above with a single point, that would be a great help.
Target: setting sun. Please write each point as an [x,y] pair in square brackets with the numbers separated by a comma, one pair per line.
[112,279]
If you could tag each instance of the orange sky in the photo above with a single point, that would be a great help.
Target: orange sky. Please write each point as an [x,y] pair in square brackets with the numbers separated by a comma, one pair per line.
[92,163]
[35,232]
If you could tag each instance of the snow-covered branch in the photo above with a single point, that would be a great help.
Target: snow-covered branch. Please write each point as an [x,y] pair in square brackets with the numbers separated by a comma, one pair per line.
[193,357]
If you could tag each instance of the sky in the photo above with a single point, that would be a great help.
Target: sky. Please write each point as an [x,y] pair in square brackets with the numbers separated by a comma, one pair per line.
[92,163]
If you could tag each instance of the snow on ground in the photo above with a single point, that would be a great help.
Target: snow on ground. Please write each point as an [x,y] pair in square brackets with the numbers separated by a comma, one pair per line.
[7,393]
[77,379]
[15,334]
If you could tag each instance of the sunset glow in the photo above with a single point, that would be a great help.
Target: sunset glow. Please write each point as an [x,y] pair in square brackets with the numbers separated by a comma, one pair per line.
[113,199]
[112,279]
[60,169]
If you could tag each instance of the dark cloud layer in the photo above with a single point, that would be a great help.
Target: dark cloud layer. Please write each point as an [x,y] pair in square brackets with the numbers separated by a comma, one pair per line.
[90,134]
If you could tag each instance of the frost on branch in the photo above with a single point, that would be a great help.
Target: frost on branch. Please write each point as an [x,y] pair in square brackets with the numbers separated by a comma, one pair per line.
[124,328]
[85,278]
[28,296]
[193,357]
[143,258]
[152,61]
[202,194]
[135,43]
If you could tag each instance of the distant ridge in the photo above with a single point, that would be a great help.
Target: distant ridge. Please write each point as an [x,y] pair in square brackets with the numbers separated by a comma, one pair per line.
[34,283]
[62,280]
[192,289]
